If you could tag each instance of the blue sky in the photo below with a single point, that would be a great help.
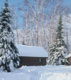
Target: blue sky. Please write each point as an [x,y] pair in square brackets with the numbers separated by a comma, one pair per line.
[17,3]
[11,2]
[67,2]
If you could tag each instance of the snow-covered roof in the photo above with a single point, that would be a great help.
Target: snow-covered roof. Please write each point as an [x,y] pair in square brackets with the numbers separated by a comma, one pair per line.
[69,55]
[31,51]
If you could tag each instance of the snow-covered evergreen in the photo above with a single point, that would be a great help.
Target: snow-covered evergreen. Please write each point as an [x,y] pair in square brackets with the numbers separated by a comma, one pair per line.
[8,50]
[58,49]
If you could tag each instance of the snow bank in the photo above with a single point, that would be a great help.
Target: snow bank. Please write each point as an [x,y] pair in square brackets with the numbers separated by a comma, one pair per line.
[48,72]
[55,76]
[38,73]
[14,76]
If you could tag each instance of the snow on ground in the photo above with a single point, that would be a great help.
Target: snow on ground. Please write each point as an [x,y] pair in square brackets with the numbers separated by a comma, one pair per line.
[38,73]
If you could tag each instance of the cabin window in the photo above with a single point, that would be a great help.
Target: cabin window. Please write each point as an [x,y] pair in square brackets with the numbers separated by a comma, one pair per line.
[40,60]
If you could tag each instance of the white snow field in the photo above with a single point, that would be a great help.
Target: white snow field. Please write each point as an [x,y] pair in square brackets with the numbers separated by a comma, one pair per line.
[38,73]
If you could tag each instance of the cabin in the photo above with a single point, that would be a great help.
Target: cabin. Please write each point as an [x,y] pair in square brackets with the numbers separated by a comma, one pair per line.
[68,57]
[32,55]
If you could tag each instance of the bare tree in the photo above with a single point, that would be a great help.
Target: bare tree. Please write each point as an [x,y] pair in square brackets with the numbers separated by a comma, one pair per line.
[40,21]
[15,24]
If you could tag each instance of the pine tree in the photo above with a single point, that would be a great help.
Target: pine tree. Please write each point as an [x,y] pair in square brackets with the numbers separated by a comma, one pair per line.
[58,49]
[8,50]
[51,59]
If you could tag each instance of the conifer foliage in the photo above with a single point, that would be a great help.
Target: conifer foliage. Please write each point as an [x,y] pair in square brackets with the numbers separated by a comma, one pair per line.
[58,49]
[8,50]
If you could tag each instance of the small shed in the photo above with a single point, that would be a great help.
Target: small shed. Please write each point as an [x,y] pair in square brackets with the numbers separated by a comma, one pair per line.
[32,55]
[68,57]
